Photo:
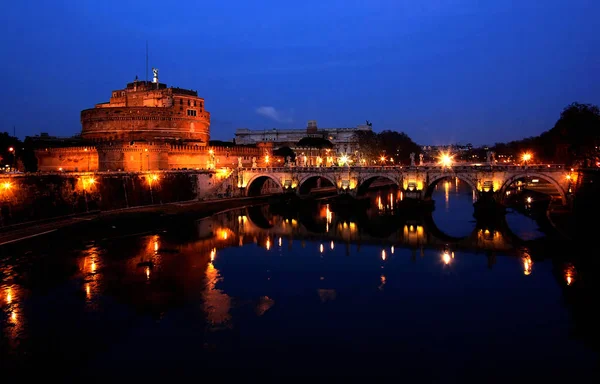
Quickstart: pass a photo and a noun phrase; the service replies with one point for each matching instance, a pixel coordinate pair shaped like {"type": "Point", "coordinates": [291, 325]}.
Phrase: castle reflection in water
{"type": "Point", "coordinates": [157, 272]}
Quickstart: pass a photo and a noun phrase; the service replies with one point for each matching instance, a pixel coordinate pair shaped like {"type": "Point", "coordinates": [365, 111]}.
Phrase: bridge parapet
{"type": "Point", "coordinates": [483, 178]}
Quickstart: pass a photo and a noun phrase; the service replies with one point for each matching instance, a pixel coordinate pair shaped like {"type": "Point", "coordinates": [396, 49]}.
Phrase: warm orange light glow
{"type": "Point", "coordinates": [11, 149]}
{"type": "Point", "coordinates": [267, 159]}
{"type": "Point", "coordinates": [382, 158]}
{"type": "Point", "coordinates": [93, 267]}
{"type": "Point", "coordinates": [392, 250]}
{"type": "Point", "coordinates": [570, 274]}
{"type": "Point", "coordinates": [6, 186]}
{"type": "Point", "coordinates": [210, 151]}
{"type": "Point", "coordinates": [279, 241]}
{"type": "Point", "coordinates": [268, 244]}
{"type": "Point", "coordinates": [446, 258]}
{"type": "Point", "coordinates": [527, 264]}
{"type": "Point", "coordinates": [383, 254]}
{"type": "Point", "coordinates": [526, 156]}
{"type": "Point", "coordinates": [8, 295]}
{"type": "Point", "coordinates": [87, 291]}
{"type": "Point", "coordinates": [331, 245]}
{"type": "Point", "coordinates": [147, 272]}
{"type": "Point", "coordinates": [213, 253]}
{"type": "Point", "coordinates": [446, 159]}
{"type": "Point", "coordinates": [529, 200]}
{"type": "Point", "coordinates": [568, 177]}
{"type": "Point", "coordinates": [321, 248]}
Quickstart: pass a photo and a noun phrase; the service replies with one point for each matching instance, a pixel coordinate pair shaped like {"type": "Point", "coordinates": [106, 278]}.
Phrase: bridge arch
{"type": "Point", "coordinates": [257, 182]}
{"type": "Point", "coordinates": [303, 183]}
{"type": "Point", "coordinates": [549, 179]}
{"type": "Point", "coordinates": [437, 178]}
{"type": "Point", "coordinates": [365, 183]}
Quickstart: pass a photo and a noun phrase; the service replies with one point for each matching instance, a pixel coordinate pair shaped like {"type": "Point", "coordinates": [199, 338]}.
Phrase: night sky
{"type": "Point", "coordinates": [443, 71]}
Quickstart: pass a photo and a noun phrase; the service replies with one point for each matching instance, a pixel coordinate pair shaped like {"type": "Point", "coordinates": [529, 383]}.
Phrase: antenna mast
{"type": "Point", "coordinates": [146, 61]}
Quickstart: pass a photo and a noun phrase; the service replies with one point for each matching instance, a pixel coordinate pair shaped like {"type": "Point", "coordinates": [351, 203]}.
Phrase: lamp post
{"type": "Point", "coordinates": [13, 151]}
{"type": "Point", "coordinates": [88, 158]}
{"type": "Point", "coordinates": [526, 158]}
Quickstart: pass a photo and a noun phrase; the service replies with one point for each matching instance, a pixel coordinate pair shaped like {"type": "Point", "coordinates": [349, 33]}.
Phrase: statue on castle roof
{"type": "Point", "coordinates": [412, 159]}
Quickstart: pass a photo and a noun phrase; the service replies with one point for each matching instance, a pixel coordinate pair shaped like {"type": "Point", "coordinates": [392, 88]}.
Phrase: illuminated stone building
{"type": "Point", "coordinates": [145, 126]}
{"type": "Point", "coordinates": [343, 139]}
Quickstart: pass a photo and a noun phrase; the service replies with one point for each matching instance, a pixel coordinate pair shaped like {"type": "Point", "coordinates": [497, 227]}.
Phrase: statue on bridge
{"type": "Point", "coordinates": [412, 159]}
{"type": "Point", "coordinates": [488, 155]}
{"type": "Point", "coordinates": [493, 157]}
{"type": "Point", "coordinates": [253, 162]}
{"type": "Point", "coordinates": [420, 159]}
{"type": "Point", "coordinates": [288, 161]}
{"type": "Point", "coordinates": [240, 162]}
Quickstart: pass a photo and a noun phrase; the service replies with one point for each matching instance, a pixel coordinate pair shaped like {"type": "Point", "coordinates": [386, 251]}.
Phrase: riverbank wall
{"type": "Point", "coordinates": [32, 197]}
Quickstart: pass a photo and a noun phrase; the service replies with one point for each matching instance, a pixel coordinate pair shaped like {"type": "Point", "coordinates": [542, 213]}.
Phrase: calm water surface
{"type": "Point", "coordinates": [315, 290]}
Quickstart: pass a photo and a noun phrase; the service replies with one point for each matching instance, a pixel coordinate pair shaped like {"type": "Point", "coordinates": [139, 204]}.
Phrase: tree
{"type": "Point", "coordinates": [285, 152]}
{"type": "Point", "coordinates": [577, 133]}
{"type": "Point", "coordinates": [574, 139]}
{"type": "Point", "coordinates": [390, 144]}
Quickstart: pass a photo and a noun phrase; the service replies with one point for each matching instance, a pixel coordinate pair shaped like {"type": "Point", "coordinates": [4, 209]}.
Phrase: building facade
{"type": "Point", "coordinates": [148, 111]}
{"type": "Point", "coordinates": [144, 127]}
{"type": "Point", "coordinates": [343, 139]}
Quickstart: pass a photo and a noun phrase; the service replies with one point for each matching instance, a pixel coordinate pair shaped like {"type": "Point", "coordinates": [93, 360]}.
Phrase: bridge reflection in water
{"type": "Point", "coordinates": [304, 278]}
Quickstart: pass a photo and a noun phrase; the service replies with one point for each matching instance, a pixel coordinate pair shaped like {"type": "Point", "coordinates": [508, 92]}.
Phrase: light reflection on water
{"type": "Point", "coordinates": [314, 276]}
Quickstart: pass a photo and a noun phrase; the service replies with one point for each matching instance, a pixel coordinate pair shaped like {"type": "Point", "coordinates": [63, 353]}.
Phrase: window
{"type": "Point", "coordinates": [191, 112]}
{"type": "Point", "coordinates": [180, 101]}
{"type": "Point", "coordinates": [189, 102]}
{"type": "Point", "coordinates": [194, 103]}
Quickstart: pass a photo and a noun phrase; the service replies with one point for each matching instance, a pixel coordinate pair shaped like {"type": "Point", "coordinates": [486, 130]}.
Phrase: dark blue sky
{"type": "Point", "coordinates": [441, 70]}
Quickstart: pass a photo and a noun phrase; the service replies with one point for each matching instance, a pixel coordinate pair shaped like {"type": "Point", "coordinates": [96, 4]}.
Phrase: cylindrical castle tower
{"type": "Point", "coordinates": [147, 111]}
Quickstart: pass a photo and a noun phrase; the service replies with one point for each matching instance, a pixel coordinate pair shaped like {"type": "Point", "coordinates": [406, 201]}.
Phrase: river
{"type": "Point", "coordinates": [307, 290]}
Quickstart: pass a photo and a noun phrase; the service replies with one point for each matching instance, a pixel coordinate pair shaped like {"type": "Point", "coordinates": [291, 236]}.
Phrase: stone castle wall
{"type": "Point", "coordinates": [35, 197]}
{"type": "Point", "coordinates": [72, 159]}
{"type": "Point", "coordinates": [145, 123]}
{"type": "Point", "coordinates": [144, 157]}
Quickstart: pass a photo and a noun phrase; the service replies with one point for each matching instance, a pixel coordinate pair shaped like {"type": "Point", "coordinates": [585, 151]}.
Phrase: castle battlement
{"type": "Point", "coordinates": [71, 150]}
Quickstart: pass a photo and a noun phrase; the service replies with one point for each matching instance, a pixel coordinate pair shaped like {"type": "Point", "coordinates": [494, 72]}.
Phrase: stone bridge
{"type": "Point", "coordinates": [416, 181]}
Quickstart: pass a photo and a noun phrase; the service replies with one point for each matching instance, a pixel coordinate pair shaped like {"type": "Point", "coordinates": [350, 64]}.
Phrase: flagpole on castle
{"type": "Point", "coordinates": [146, 61]}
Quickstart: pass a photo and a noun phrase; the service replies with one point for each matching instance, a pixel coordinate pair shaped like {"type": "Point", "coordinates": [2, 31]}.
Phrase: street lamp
{"type": "Point", "coordinates": [14, 153]}
{"type": "Point", "coordinates": [88, 157]}
{"type": "Point", "coordinates": [446, 160]}
{"type": "Point", "coordinates": [526, 157]}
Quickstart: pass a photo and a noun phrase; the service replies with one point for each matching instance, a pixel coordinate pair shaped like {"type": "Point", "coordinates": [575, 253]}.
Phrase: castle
{"type": "Point", "coordinates": [147, 126]}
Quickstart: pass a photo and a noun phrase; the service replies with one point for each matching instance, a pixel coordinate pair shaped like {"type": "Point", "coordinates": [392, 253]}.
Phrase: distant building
{"type": "Point", "coordinates": [343, 139]}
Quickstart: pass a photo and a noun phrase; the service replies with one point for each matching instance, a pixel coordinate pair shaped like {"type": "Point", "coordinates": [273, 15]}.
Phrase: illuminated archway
{"type": "Point", "coordinates": [310, 182]}
{"type": "Point", "coordinates": [529, 175]}
{"type": "Point", "coordinates": [259, 184]}
{"type": "Point", "coordinates": [366, 183]}
{"type": "Point", "coordinates": [433, 182]}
